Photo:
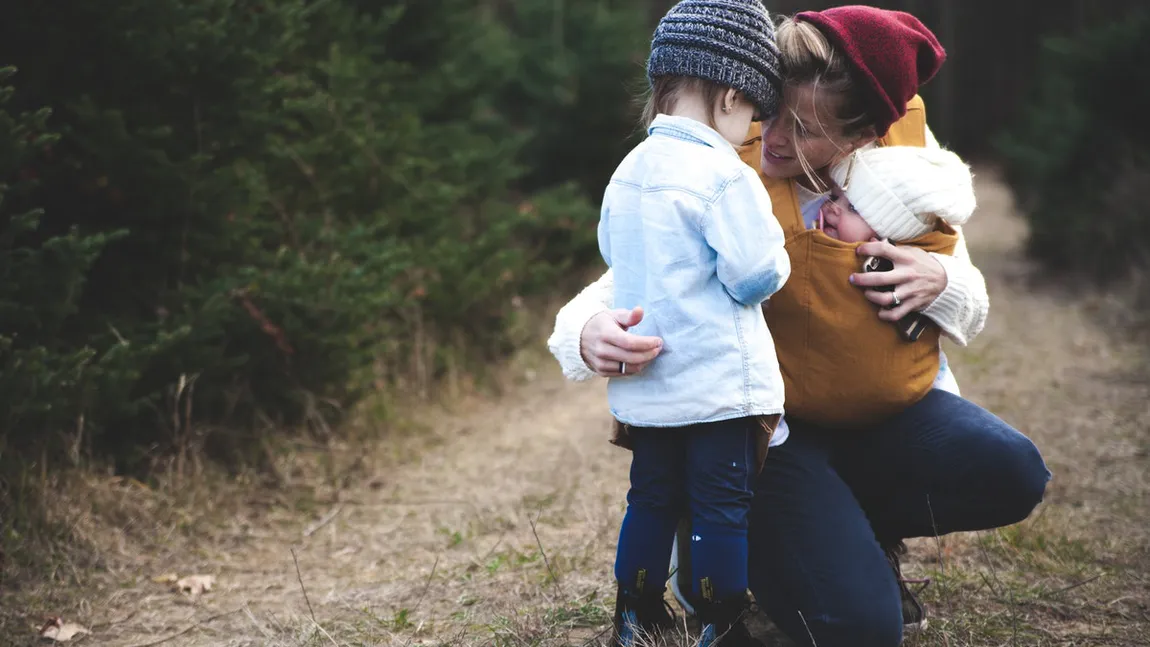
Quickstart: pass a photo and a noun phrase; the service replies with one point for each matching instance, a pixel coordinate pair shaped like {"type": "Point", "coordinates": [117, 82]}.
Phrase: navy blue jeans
{"type": "Point", "coordinates": [707, 471]}
{"type": "Point", "coordinates": [828, 499]}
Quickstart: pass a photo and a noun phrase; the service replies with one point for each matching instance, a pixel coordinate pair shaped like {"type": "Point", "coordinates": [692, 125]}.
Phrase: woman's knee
{"type": "Point", "coordinates": [1000, 461]}
{"type": "Point", "coordinates": [1029, 477]}
{"type": "Point", "coordinates": [1019, 475]}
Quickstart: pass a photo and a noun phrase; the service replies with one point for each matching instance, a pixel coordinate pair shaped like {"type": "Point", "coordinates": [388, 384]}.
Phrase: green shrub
{"type": "Point", "coordinates": [254, 211]}
{"type": "Point", "coordinates": [42, 377]}
{"type": "Point", "coordinates": [1080, 154]}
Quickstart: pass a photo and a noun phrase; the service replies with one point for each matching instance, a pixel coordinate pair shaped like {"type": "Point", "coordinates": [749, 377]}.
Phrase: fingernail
{"type": "Point", "coordinates": [851, 278]}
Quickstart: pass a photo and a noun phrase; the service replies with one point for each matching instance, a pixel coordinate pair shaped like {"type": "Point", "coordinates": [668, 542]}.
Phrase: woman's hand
{"type": "Point", "coordinates": [917, 278]}
{"type": "Point", "coordinates": [605, 343]}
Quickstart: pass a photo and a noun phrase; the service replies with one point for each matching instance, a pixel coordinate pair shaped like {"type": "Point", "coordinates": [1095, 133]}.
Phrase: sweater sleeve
{"type": "Point", "coordinates": [931, 140]}
{"type": "Point", "coordinates": [962, 307]}
{"type": "Point", "coordinates": [569, 323]}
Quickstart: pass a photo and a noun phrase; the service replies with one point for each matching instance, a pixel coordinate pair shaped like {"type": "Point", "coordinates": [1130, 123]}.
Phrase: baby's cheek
{"type": "Point", "coordinates": [855, 229]}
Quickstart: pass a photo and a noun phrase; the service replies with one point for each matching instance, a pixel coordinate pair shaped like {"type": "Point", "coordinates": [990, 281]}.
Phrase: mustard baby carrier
{"type": "Point", "coordinates": [842, 366]}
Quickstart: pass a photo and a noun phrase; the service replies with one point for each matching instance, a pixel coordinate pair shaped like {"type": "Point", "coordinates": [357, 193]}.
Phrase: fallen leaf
{"type": "Point", "coordinates": [194, 585]}
{"type": "Point", "coordinates": [60, 631]}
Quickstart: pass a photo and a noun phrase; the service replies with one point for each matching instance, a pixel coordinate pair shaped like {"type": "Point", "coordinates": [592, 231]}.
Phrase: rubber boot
{"type": "Point", "coordinates": [638, 615]}
{"type": "Point", "coordinates": [722, 623]}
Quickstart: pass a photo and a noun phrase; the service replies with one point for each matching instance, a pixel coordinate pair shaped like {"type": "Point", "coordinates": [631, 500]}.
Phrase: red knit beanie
{"type": "Point", "coordinates": [892, 51]}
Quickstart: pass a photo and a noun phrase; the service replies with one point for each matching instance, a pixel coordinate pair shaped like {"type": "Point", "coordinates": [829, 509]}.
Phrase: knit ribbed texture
{"type": "Point", "coordinates": [564, 341]}
{"type": "Point", "coordinates": [891, 52]}
{"type": "Point", "coordinates": [729, 42]}
{"type": "Point", "coordinates": [902, 191]}
{"type": "Point", "coordinates": [961, 310]}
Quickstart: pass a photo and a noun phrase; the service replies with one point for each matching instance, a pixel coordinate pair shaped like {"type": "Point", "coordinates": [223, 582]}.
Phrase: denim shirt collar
{"type": "Point", "coordinates": [688, 129]}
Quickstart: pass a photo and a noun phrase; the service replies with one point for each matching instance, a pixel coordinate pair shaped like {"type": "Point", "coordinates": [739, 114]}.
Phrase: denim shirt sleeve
{"type": "Point", "coordinates": [741, 227]}
{"type": "Point", "coordinates": [605, 234]}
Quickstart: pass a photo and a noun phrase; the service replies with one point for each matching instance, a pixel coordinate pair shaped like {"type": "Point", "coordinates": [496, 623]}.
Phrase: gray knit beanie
{"type": "Point", "coordinates": [729, 42]}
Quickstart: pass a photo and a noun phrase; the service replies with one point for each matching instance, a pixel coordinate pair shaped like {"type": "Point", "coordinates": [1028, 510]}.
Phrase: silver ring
{"type": "Point", "coordinates": [622, 368]}
{"type": "Point", "coordinates": [894, 300]}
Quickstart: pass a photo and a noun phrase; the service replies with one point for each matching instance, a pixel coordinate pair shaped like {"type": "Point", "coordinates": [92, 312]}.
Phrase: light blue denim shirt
{"type": "Point", "coordinates": [689, 233]}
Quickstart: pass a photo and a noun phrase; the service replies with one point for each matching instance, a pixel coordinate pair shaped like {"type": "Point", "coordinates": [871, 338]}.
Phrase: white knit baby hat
{"type": "Point", "coordinates": [902, 191]}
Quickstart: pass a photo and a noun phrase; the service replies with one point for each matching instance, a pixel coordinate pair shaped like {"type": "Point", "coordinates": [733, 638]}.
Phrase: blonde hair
{"type": "Point", "coordinates": [666, 91]}
{"type": "Point", "coordinates": [810, 59]}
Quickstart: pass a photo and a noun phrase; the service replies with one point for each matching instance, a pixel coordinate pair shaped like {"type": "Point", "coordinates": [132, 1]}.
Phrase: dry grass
{"type": "Point", "coordinates": [495, 523]}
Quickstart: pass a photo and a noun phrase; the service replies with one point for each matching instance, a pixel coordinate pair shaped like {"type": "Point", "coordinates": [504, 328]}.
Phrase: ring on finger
{"type": "Point", "coordinates": [622, 368]}
{"type": "Point", "coordinates": [894, 300]}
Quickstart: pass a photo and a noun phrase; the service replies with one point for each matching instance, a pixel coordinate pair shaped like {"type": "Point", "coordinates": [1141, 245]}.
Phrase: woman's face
{"type": "Point", "coordinates": [805, 126]}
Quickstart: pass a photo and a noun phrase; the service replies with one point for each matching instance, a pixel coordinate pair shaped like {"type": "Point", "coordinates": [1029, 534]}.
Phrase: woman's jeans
{"type": "Point", "coordinates": [707, 470]}
{"type": "Point", "coordinates": [828, 501]}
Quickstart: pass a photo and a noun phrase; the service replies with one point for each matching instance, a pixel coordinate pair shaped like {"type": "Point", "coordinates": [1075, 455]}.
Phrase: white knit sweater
{"type": "Point", "coordinates": [960, 311]}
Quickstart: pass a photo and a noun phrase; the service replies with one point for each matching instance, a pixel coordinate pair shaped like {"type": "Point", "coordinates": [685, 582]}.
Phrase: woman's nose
{"type": "Point", "coordinates": [774, 134]}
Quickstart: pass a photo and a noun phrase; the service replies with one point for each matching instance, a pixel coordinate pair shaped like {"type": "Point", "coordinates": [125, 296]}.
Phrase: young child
{"type": "Point", "coordinates": [688, 231]}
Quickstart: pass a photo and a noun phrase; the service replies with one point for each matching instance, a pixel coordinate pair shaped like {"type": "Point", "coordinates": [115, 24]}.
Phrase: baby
{"type": "Point", "coordinates": [896, 193]}
{"type": "Point", "coordinates": [902, 193]}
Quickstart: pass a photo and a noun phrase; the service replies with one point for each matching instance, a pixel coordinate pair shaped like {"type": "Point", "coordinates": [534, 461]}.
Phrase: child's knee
{"type": "Point", "coordinates": [722, 499]}
{"type": "Point", "coordinates": [664, 500]}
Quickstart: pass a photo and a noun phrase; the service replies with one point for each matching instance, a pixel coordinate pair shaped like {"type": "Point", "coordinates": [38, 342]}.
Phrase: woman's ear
{"type": "Point", "coordinates": [867, 137]}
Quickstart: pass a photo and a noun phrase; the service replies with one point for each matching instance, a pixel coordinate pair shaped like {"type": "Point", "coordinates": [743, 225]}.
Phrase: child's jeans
{"type": "Point", "coordinates": [707, 470]}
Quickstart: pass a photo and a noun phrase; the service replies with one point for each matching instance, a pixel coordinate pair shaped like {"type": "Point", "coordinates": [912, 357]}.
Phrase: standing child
{"type": "Point", "coordinates": [688, 230]}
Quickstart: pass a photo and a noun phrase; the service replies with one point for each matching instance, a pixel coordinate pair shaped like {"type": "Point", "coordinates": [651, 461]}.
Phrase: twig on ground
{"type": "Point", "coordinates": [423, 594]}
{"type": "Point", "coordinates": [325, 633]}
{"type": "Point", "coordinates": [256, 623]}
{"type": "Point", "coordinates": [539, 542]}
{"type": "Point", "coordinates": [1013, 606]}
{"type": "Point", "coordinates": [497, 544]}
{"type": "Point", "coordinates": [1013, 620]}
{"type": "Point", "coordinates": [386, 503]}
{"type": "Point", "coordinates": [117, 621]}
{"type": "Point", "coordinates": [299, 576]}
{"type": "Point", "coordinates": [327, 518]}
{"type": "Point", "coordinates": [937, 537]}
{"type": "Point", "coordinates": [942, 587]}
{"type": "Point", "coordinates": [188, 629]}
{"type": "Point", "coordinates": [301, 587]}
{"type": "Point", "coordinates": [1071, 587]}
{"type": "Point", "coordinates": [605, 630]}
{"type": "Point", "coordinates": [993, 570]}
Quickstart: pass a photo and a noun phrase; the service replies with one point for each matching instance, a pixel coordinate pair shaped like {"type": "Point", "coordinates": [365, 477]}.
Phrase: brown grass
{"type": "Point", "coordinates": [494, 522]}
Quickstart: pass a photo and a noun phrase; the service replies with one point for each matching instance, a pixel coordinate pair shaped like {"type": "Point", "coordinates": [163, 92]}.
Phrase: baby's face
{"type": "Point", "coordinates": [838, 219]}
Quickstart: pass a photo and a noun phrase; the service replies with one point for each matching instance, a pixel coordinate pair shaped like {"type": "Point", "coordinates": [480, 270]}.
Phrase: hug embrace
{"type": "Point", "coordinates": [784, 156]}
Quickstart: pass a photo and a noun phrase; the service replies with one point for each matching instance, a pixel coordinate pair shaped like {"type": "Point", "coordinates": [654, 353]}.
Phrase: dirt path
{"type": "Point", "coordinates": [446, 547]}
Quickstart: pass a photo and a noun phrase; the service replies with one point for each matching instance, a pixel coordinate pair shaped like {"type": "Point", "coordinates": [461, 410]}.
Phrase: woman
{"type": "Point", "coordinates": [832, 506]}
